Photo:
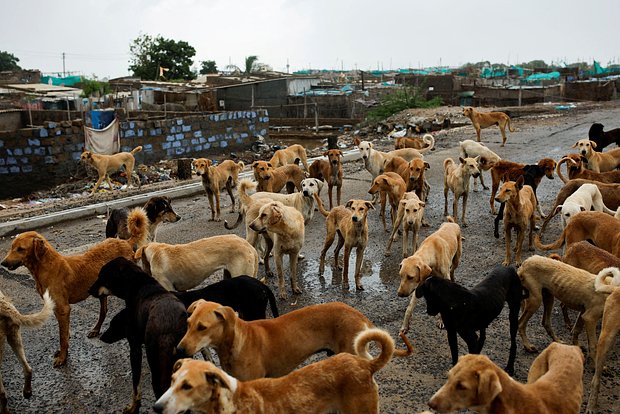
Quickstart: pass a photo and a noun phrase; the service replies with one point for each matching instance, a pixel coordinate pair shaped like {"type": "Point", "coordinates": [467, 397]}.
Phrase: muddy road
{"type": "Point", "coordinates": [97, 376]}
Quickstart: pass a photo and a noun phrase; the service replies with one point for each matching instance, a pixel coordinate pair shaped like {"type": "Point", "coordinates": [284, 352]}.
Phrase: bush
{"type": "Point", "coordinates": [409, 97]}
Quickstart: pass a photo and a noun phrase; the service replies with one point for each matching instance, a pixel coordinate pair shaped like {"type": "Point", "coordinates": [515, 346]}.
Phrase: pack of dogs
{"type": "Point", "coordinates": [171, 313]}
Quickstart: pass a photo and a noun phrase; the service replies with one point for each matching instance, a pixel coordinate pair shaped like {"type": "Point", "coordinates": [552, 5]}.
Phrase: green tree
{"type": "Point", "coordinates": [407, 97]}
{"type": "Point", "coordinates": [149, 54]}
{"type": "Point", "coordinates": [252, 65]}
{"type": "Point", "coordinates": [208, 66]}
{"type": "Point", "coordinates": [94, 87]}
{"type": "Point", "coordinates": [8, 61]}
{"type": "Point", "coordinates": [535, 64]}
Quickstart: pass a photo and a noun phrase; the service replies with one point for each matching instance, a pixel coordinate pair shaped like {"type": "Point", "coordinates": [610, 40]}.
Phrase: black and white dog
{"type": "Point", "coordinates": [158, 210]}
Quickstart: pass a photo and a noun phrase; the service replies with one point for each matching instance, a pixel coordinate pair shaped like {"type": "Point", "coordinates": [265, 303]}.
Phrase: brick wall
{"type": "Point", "coordinates": [39, 158]}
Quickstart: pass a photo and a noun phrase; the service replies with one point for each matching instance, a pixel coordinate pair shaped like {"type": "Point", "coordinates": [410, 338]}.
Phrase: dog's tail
{"type": "Point", "coordinates": [137, 224]}
{"type": "Point", "coordinates": [555, 245]}
{"type": "Point", "coordinates": [244, 199]}
{"type": "Point", "coordinates": [558, 170]}
{"type": "Point", "coordinates": [240, 166]}
{"type": "Point", "coordinates": [429, 140]}
{"type": "Point", "coordinates": [450, 219]}
{"type": "Point", "coordinates": [319, 204]}
{"type": "Point", "coordinates": [361, 341]}
{"type": "Point", "coordinates": [600, 284]}
{"type": "Point", "coordinates": [36, 319]}
{"type": "Point", "coordinates": [447, 162]}
{"type": "Point", "coordinates": [272, 301]}
{"type": "Point", "coordinates": [555, 256]}
{"type": "Point", "coordinates": [508, 122]}
{"type": "Point", "coordinates": [136, 149]}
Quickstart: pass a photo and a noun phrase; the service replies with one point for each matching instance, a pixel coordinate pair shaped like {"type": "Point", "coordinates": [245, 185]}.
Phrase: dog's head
{"type": "Point", "coordinates": [412, 271]}
{"type": "Point", "coordinates": [585, 147]}
{"type": "Point", "coordinates": [159, 209]}
{"type": "Point", "coordinates": [417, 167]}
{"type": "Point", "coordinates": [365, 148]}
{"type": "Point", "coordinates": [509, 190]}
{"type": "Point", "coordinates": [197, 386]}
{"type": "Point", "coordinates": [413, 209]}
{"type": "Point", "coordinates": [86, 156]}
{"type": "Point", "coordinates": [201, 165]}
{"type": "Point", "coordinates": [262, 170]}
{"type": "Point", "coordinates": [359, 210]}
{"type": "Point", "coordinates": [548, 167]}
{"type": "Point", "coordinates": [206, 325]}
{"type": "Point", "coordinates": [472, 383]}
{"type": "Point", "coordinates": [311, 186]}
{"type": "Point", "coordinates": [430, 289]}
{"type": "Point", "coordinates": [471, 165]}
{"type": "Point", "coordinates": [379, 183]}
{"type": "Point", "coordinates": [569, 210]}
{"type": "Point", "coordinates": [269, 215]}
{"type": "Point", "coordinates": [117, 277]}
{"type": "Point", "coordinates": [333, 156]}
{"type": "Point", "coordinates": [117, 329]}
{"type": "Point", "coordinates": [596, 130]}
{"type": "Point", "coordinates": [468, 111]}
{"type": "Point", "coordinates": [27, 249]}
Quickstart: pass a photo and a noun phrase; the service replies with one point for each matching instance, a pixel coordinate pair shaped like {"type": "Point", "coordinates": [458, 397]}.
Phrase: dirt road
{"type": "Point", "coordinates": [97, 376]}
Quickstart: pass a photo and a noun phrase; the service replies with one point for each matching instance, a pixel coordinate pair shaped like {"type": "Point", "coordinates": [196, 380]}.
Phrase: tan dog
{"type": "Point", "coordinates": [184, 266]}
{"type": "Point", "coordinates": [471, 148]}
{"type": "Point", "coordinates": [390, 186]}
{"type": "Point", "coordinates": [572, 286]}
{"type": "Point", "coordinates": [554, 385]}
{"type": "Point", "coordinates": [577, 168]}
{"type": "Point", "coordinates": [225, 175]}
{"type": "Point", "coordinates": [438, 255]}
{"type": "Point", "coordinates": [426, 142]}
{"type": "Point", "coordinates": [412, 173]}
{"type": "Point", "coordinates": [285, 227]}
{"type": "Point", "coordinates": [290, 155]}
{"type": "Point", "coordinates": [329, 170]}
{"type": "Point", "coordinates": [350, 223]}
{"type": "Point", "coordinates": [68, 278]}
{"type": "Point", "coordinates": [343, 382]}
{"type": "Point", "coordinates": [588, 257]}
{"type": "Point", "coordinates": [456, 179]}
{"type": "Point", "coordinates": [273, 347]}
{"type": "Point", "coordinates": [411, 214]}
{"type": "Point", "coordinates": [107, 164]}
{"type": "Point", "coordinates": [481, 120]}
{"type": "Point", "coordinates": [10, 323]}
{"type": "Point", "coordinates": [518, 214]}
{"type": "Point", "coordinates": [274, 179]}
{"type": "Point", "coordinates": [598, 161]}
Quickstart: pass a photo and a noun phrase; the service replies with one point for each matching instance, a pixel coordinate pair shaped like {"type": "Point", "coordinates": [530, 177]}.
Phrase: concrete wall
{"type": "Point", "coordinates": [39, 158]}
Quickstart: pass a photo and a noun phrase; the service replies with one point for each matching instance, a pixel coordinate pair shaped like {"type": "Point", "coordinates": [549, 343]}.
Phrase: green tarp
{"type": "Point", "coordinates": [66, 81]}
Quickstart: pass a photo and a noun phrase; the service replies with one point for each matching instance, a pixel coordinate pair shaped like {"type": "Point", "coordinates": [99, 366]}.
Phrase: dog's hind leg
{"type": "Point", "coordinates": [3, 399]}
{"type": "Point", "coordinates": [269, 243]}
{"type": "Point", "coordinates": [590, 319]}
{"type": "Point", "coordinates": [103, 311]}
{"type": "Point", "coordinates": [513, 317]}
{"type": "Point", "coordinates": [531, 305]}
{"type": "Point", "coordinates": [337, 251]}
{"type": "Point", "coordinates": [135, 356]}
{"type": "Point", "coordinates": [329, 240]}
{"type": "Point", "coordinates": [293, 258]}
{"type": "Point", "coordinates": [15, 341]}
{"type": "Point", "coordinates": [548, 300]}
{"type": "Point", "coordinates": [229, 188]}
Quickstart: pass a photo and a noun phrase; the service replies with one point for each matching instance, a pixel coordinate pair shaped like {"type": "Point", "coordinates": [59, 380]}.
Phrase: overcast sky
{"type": "Point", "coordinates": [323, 34]}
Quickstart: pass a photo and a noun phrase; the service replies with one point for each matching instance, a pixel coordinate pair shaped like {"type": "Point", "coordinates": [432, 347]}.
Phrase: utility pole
{"type": "Point", "coordinates": [63, 64]}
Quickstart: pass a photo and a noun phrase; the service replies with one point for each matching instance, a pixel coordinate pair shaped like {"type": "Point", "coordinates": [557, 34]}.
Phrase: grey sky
{"type": "Point", "coordinates": [324, 34]}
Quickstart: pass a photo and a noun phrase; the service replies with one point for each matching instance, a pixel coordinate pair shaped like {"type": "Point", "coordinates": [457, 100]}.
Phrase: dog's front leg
{"type": "Point", "coordinates": [216, 194]}
{"type": "Point", "coordinates": [277, 257]}
{"type": "Point", "coordinates": [407, 319]}
{"type": "Point", "coordinates": [519, 246]}
{"type": "Point", "coordinates": [359, 256]}
{"type": "Point", "coordinates": [345, 267]}
{"type": "Point", "coordinates": [135, 356]}
{"type": "Point", "coordinates": [454, 346]}
{"type": "Point", "coordinates": [293, 258]}
{"type": "Point", "coordinates": [62, 312]}
{"type": "Point", "coordinates": [465, 196]}
{"type": "Point", "coordinates": [210, 196]}
{"type": "Point", "coordinates": [507, 234]}
{"type": "Point", "coordinates": [269, 243]}
{"type": "Point", "coordinates": [406, 241]}
{"type": "Point", "coordinates": [103, 311]}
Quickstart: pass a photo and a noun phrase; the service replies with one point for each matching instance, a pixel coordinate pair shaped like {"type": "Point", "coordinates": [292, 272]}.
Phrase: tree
{"type": "Point", "coordinates": [252, 65]}
{"type": "Point", "coordinates": [8, 61]}
{"type": "Point", "coordinates": [149, 54]}
{"type": "Point", "coordinates": [208, 66]}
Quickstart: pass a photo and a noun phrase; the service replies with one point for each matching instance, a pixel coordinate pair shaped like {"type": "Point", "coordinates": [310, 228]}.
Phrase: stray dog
{"type": "Point", "coordinates": [426, 142]}
{"type": "Point", "coordinates": [412, 173]}
{"type": "Point", "coordinates": [184, 266]}
{"type": "Point", "coordinates": [107, 164]}
{"type": "Point", "coordinates": [466, 311]}
{"type": "Point", "coordinates": [519, 208]}
{"type": "Point", "coordinates": [470, 148]}
{"type": "Point", "coordinates": [411, 210]}
{"type": "Point", "coordinates": [153, 316]}
{"type": "Point", "coordinates": [546, 279]}
{"type": "Point", "coordinates": [600, 228]}
{"type": "Point", "coordinates": [214, 179]}
{"type": "Point", "coordinates": [290, 155]}
{"type": "Point", "coordinates": [329, 170]}
{"type": "Point", "coordinates": [274, 179]}
{"type": "Point", "coordinates": [251, 350]}
{"type": "Point", "coordinates": [598, 161]}
{"type": "Point", "coordinates": [553, 386]}
{"type": "Point", "coordinates": [481, 120]}
{"type": "Point", "coordinates": [587, 197]}
{"type": "Point", "coordinates": [10, 323]}
{"type": "Point", "coordinates": [456, 179]}
{"type": "Point", "coordinates": [438, 255]}
{"type": "Point", "coordinates": [285, 228]}
{"type": "Point", "coordinates": [343, 382]}
{"type": "Point", "coordinates": [577, 167]}
{"type": "Point", "coordinates": [158, 210]}
{"type": "Point", "coordinates": [584, 255]}
{"type": "Point", "coordinates": [392, 186]}
{"type": "Point", "coordinates": [603, 138]}
{"type": "Point", "coordinates": [350, 223]}
{"type": "Point", "coordinates": [68, 277]}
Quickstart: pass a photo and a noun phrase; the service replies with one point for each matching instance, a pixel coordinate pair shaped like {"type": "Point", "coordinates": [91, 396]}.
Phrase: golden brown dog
{"type": "Point", "coordinates": [274, 179]}
{"type": "Point", "coordinates": [481, 120]}
{"type": "Point", "coordinates": [225, 175]}
{"type": "Point", "coordinates": [586, 256]}
{"type": "Point", "coordinates": [107, 164]}
{"type": "Point", "coordinates": [426, 142]}
{"type": "Point", "coordinates": [412, 173]}
{"type": "Point", "coordinates": [456, 179]}
{"type": "Point", "coordinates": [273, 347]}
{"type": "Point", "coordinates": [342, 383]}
{"type": "Point", "coordinates": [290, 155]}
{"type": "Point", "coordinates": [329, 170]}
{"type": "Point", "coordinates": [438, 255]}
{"type": "Point", "coordinates": [390, 186]}
{"type": "Point", "coordinates": [471, 148]}
{"type": "Point", "coordinates": [577, 166]}
{"type": "Point", "coordinates": [68, 278]}
{"type": "Point", "coordinates": [10, 323]}
{"type": "Point", "coordinates": [554, 385]}
{"type": "Point", "coordinates": [350, 223]}
{"type": "Point", "coordinates": [411, 210]}
{"type": "Point", "coordinates": [519, 213]}
{"type": "Point", "coordinates": [598, 161]}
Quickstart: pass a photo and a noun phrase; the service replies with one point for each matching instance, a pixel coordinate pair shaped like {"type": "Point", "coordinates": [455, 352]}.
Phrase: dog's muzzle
{"type": "Point", "coordinates": [583, 153]}
{"type": "Point", "coordinates": [9, 265]}
{"type": "Point", "coordinates": [306, 194]}
{"type": "Point", "coordinates": [355, 219]}
{"type": "Point", "coordinates": [476, 175]}
{"type": "Point", "coordinates": [180, 352]}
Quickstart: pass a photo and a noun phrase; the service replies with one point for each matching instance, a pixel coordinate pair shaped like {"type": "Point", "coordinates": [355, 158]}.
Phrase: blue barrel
{"type": "Point", "coordinates": [101, 119]}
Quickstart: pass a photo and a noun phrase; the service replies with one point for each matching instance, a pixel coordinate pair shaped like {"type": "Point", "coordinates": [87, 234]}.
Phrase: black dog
{"type": "Point", "coordinates": [603, 138]}
{"type": "Point", "coordinates": [157, 209]}
{"type": "Point", "coordinates": [153, 317]}
{"type": "Point", "coordinates": [466, 311]}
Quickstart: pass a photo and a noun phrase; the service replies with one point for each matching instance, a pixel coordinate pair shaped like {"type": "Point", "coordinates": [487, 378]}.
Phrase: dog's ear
{"type": "Point", "coordinates": [593, 143]}
{"type": "Point", "coordinates": [462, 160]}
{"type": "Point", "coordinates": [194, 305]}
{"type": "Point", "coordinates": [557, 209]}
{"type": "Point", "coordinates": [422, 204]}
{"type": "Point", "coordinates": [269, 165]}
{"type": "Point", "coordinates": [349, 204]}
{"type": "Point", "coordinates": [138, 254]}
{"type": "Point", "coordinates": [356, 141]}
{"type": "Point", "coordinates": [38, 247]}
{"type": "Point", "coordinates": [427, 165]}
{"type": "Point", "coordinates": [276, 215]}
{"type": "Point", "coordinates": [520, 181]}
{"type": "Point", "coordinates": [221, 313]}
{"type": "Point", "coordinates": [582, 208]}
{"type": "Point", "coordinates": [340, 153]}
{"type": "Point", "coordinates": [425, 271]}
{"type": "Point", "coordinates": [575, 144]}
{"type": "Point", "coordinates": [214, 380]}
{"type": "Point", "coordinates": [254, 164]}
{"type": "Point", "coordinates": [385, 181]}
{"type": "Point", "coordinates": [489, 386]}
{"type": "Point", "coordinates": [208, 163]}
{"type": "Point", "coordinates": [369, 205]}
{"type": "Point", "coordinates": [177, 365]}
{"type": "Point", "coordinates": [477, 159]}
{"type": "Point", "coordinates": [326, 153]}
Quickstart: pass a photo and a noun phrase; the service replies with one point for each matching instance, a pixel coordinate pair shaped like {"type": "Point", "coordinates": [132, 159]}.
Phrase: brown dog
{"type": "Point", "coordinates": [412, 173]}
{"type": "Point", "coordinates": [273, 347]}
{"type": "Point", "coordinates": [426, 142]}
{"type": "Point", "coordinates": [274, 179]}
{"type": "Point", "coordinates": [350, 223]}
{"type": "Point", "coordinates": [554, 385]}
{"type": "Point", "coordinates": [481, 120]}
{"type": "Point", "coordinates": [598, 161]}
{"type": "Point", "coordinates": [577, 166]}
{"type": "Point", "coordinates": [389, 185]}
{"type": "Point", "coordinates": [519, 212]}
{"type": "Point", "coordinates": [107, 164]}
{"type": "Point", "coordinates": [584, 255]}
{"type": "Point", "coordinates": [411, 213]}
{"type": "Point", "coordinates": [225, 175]}
{"type": "Point", "coordinates": [329, 170]}
{"type": "Point", "coordinates": [456, 179]}
{"type": "Point", "coordinates": [290, 155]}
{"type": "Point", "coordinates": [343, 382]}
{"type": "Point", "coordinates": [68, 278]}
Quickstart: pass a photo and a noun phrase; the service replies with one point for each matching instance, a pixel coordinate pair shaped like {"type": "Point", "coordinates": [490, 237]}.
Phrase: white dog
{"type": "Point", "coordinates": [587, 197]}
{"type": "Point", "coordinates": [470, 148]}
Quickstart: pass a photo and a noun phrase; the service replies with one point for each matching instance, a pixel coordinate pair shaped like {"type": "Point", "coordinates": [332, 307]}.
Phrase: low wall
{"type": "Point", "coordinates": [38, 158]}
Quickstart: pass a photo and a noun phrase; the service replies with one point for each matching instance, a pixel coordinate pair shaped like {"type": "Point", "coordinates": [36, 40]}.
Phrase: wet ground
{"type": "Point", "coordinates": [97, 376]}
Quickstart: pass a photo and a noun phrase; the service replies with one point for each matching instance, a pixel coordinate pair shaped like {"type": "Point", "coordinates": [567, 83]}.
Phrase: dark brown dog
{"type": "Point", "coordinates": [577, 166]}
{"type": "Point", "coordinates": [329, 170]}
